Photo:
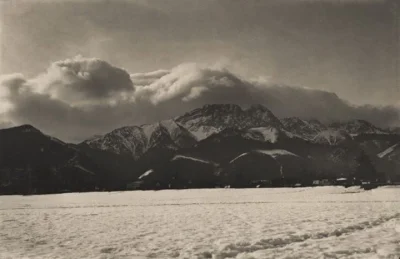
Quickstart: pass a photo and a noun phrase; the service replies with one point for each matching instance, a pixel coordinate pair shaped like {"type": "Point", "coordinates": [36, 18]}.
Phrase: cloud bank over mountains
{"type": "Point", "coordinates": [80, 97]}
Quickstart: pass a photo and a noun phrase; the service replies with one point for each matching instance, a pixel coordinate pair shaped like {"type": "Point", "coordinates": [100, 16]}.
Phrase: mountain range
{"type": "Point", "coordinates": [215, 145]}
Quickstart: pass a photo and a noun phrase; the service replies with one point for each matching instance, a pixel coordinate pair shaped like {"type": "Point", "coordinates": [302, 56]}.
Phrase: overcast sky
{"type": "Point", "coordinates": [345, 48]}
{"type": "Point", "coordinates": [349, 48]}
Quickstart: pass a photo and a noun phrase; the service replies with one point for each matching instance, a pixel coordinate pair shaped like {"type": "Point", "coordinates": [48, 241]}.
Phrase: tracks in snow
{"type": "Point", "coordinates": [190, 204]}
{"type": "Point", "coordinates": [232, 250]}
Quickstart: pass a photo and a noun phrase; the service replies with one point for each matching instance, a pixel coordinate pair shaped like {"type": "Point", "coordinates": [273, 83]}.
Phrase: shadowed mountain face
{"type": "Point", "coordinates": [32, 162]}
{"type": "Point", "coordinates": [269, 165]}
{"type": "Point", "coordinates": [216, 145]}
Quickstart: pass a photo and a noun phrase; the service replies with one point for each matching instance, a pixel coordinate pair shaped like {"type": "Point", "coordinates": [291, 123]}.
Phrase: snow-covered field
{"type": "Point", "coordinates": [322, 222]}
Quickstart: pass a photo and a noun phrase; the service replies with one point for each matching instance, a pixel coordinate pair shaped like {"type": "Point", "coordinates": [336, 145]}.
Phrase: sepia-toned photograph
{"type": "Point", "coordinates": [199, 129]}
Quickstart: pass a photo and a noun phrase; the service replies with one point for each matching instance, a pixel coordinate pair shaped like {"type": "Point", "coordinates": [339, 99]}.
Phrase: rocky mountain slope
{"type": "Point", "coordinates": [211, 119]}
{"type": "Point", "coordinates": [257, 121]}
{"type": "Point", "coordinates": [137, 140]}
{"type": "Point", "coordinates": [357, 127]}
{"type": "Point", "coordinates": [306, 129]}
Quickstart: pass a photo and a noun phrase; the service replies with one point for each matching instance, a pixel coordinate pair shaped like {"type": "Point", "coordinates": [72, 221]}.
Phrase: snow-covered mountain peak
{"type": "Point", "coordinates": [148, 129]}
{"type": "Point", "coordinates": [129, 140]}
{"type": "Point", "coordinates": [356, 127]}
{"type": "Point", "coordinates": [136, 140]}
{"type": "Point", "coordinates": [255, 123]}
{"type": "Point", "coordinates": [330, 137]}
{"type": "Point", "coordinates": [174, 128]}
{"type": "Point", "coordinates": [170, 125]}
{"type": "Point", "coordinates": [214, 118]}
{"type": "Point", "coordinates": [305, 129]}
{"type": "Point", "coordinates": [297, 122]}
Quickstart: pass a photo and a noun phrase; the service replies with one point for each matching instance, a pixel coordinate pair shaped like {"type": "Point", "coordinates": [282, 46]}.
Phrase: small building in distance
{"type": "Point", "coordinates": [137, 185]}
{"type": "Point", "coordinates": [322, 182]}
{"type": "Point", "coordinates": [341, 181]}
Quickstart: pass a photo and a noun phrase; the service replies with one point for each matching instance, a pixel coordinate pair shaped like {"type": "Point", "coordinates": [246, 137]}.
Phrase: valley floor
{"type": "Point", "coordinates": [320, 222]}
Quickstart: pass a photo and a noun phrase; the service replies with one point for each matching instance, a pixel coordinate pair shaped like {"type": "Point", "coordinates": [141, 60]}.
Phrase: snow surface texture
{"type": "Point", "coordinates": [274, 153]}
{"type": "Point", "coordinates": [331, 137]}
{"type": "Point", "coordinates": [387, 151]}
{"type": "Point", "coordinates": [269, 134]}
{"type": "Point", "coordinates": [179, 157]}
{"type": "Point", "coordinates": [203, 132]}
{"type": "Point", "coordinates": [147, 173]}
{"type": "Point", "coordinates": [321, 222]}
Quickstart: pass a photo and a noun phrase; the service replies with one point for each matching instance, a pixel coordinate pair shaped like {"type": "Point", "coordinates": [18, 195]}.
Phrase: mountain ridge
{"type": "Point", "coordinates": [199, 124]}
{"type": "Point", "coordinates": [169, 154]}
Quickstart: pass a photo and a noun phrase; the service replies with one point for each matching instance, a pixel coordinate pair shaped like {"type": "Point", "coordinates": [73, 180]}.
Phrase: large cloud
{"type": "Point", "coordinates": [79, 97]}
{"type": "Point", "coordinates": [80, 80]}
{"type": "Point", "coordinates": [187, 81]}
